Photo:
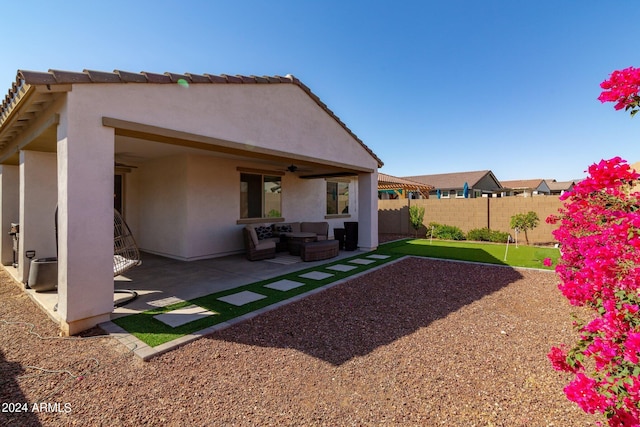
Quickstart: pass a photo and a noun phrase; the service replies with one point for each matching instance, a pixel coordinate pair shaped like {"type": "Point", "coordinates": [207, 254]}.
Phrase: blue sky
{"type": "Point", "coordinates": [429, 86]}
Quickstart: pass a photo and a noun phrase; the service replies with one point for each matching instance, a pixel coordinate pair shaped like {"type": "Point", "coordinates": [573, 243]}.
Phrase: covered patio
{"type": "Point", "coordinates": [159, 279]}
{"type": "Point", "coordinates": [188, 159]}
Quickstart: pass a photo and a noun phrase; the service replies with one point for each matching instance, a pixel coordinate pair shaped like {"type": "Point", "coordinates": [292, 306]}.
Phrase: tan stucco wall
{"type": "Point", "coordinates": [9, 208]}
{"type": "Point", "coordinates": [38, 173]}
{"type": "Point", "coordinates": [187, 206]}
{"type": "Point", "coordinates": [280, 116]}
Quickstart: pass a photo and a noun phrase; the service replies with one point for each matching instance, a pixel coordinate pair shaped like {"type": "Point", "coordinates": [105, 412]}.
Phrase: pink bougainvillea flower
{"type": "Point", "coordinates": [558, 358]}
{"type": "Point", "coordinates": [632, 347]}
{"type": "Point", "coordinates": [583, 391]}
{"type": "Point", "coordinates": [547, 262]}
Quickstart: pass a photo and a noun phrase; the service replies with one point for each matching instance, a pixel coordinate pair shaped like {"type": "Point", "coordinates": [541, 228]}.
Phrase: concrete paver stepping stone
{"type": "Point", "coordinates": [378, 256]}
{"type": "Point", "coordinates": [242, 298]}
{"type": "Point", "coordinates": [362, 261]}
{"type": "Point", "coordinates": [342, 267]}
{"type": "Point", "coordinates": [316, 275]}
{"type": "Point", "coordinates": [284, 285]}
{"type": "Point", "coordinates": [165, 302]}
{"type": "Point", "coordinates": [183, 315]}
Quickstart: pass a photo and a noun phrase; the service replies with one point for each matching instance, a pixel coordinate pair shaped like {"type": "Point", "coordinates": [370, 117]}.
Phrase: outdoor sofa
{"type": "Point", "coordinates": [263, 240]}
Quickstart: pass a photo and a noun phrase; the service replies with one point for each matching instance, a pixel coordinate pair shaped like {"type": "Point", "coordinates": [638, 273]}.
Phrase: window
{"type": "Point", "coordinates": [459, 193]}
{"type": "Point", "coordinates": [260, 196]}
{"type": "Point", "coordinates": [337, 198]}
{"type": "Point", "coordinates": [445, 194]}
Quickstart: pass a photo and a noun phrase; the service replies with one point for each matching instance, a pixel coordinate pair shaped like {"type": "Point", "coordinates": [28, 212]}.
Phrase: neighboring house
{"type": "Point", "coordinates": [558, 188]}
{"type": "Point", "coordinates": [189, 159]}
{"type": "Point", "coordinates": [526, 187]}
{"type": "Point", "coordinates": [392, 187]}
{"type": "Point", "coordinates": [451, 185]}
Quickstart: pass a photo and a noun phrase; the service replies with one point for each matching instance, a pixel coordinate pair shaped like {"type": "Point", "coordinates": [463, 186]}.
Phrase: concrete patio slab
{"type": "Point", "coordinates": [184, 315]}
{"type": "Point", "coordinates": [242, 298]}
{"type": "Point", "coordinates": [284, 285]}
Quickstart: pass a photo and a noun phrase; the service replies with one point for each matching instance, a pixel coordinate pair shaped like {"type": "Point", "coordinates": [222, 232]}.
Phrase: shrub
{"type": "Point", "coordinates": [444, 232]}
{"type": "Point", "coordinates": [479, 234]}
{"type": "Point", "coordinates": [499, 236]}
{"type": "Point", "coordinates": [486, 235]}
{"type": "Point", "coordinates": [600, 236]}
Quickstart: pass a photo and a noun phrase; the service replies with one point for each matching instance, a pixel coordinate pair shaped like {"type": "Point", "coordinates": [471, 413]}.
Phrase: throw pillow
{"type": "Point", "coordinates": [284, 229]}
{"type": "Point", "coordinates": [263, 232]}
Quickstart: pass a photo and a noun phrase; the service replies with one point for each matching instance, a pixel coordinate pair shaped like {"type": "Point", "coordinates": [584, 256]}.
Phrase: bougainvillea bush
{"type": "Point", "coordinates": [622, 88]}
{"type": "Point", "coordinates": [600, 269]}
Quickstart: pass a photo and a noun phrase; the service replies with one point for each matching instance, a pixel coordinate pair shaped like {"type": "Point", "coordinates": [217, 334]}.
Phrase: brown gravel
{"type": "Point", "coordinates": [419, 342]}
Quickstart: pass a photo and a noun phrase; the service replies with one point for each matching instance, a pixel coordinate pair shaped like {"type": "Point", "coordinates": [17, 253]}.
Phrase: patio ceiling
{"type": "Point", "coordinates": [137, 143]}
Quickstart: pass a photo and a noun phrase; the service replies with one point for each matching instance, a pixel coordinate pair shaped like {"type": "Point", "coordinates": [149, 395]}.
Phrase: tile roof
{"type": "Point", "coordinates": [451, 180]}
{"type": "Point", "coordinates": [27, 78]}
{"type": "Point", "coordinates": [559, 185]}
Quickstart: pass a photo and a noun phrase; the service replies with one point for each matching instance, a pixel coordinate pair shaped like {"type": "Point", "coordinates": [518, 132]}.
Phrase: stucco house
{"type": "Point", "coordinates": [526, 187]}
{"type": "Point", "coordinates": [451, 185]}
{"type": "Point", "coordinates": [189, 159]}
{"type": "Point", "coordinates": [558, 188]}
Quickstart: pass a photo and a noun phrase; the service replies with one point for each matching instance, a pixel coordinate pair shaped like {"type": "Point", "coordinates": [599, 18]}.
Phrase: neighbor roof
{"type": "Point", "coordinates": [522, 183]}
{"type": "Point", "coordinates": [448, 181]}
{"type": "Point", "coordinates": [26, 79]}
{"type": "Point", "coordinates": [559, 185]}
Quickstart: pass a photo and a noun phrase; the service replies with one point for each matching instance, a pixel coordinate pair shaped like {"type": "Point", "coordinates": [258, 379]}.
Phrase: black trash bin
{"type": "Point", "coordinates": [338, 234]}
{"type": "Point", "coordinates": [351, 235]}
{"type": "Point", "coordinates": [43, 274]}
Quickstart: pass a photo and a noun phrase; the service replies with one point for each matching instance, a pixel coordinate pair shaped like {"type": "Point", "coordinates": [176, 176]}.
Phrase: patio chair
{"type": "Point", "coordinates": [255, 248]}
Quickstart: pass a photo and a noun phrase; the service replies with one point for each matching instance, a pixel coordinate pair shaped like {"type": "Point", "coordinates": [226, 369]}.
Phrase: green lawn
{"type": "Point", "coordinates": [521, 256]}
{"type": "Point", "coordinates": [153, 332]}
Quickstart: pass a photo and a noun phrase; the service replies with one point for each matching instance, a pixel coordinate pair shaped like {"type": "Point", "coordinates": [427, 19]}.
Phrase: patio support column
{"type": "Point", "coordinates": [85, 219]}
{"type": "Point", "coordinates": [9, 209]}
{"type": "Point", "coordinates": [368, 211]}
{"type": "Point", "coordinates": [38, 197]}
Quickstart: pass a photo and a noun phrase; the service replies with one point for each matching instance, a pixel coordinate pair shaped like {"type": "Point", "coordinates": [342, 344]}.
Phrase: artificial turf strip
{"type": "Point", "coordinates": [153, 332]}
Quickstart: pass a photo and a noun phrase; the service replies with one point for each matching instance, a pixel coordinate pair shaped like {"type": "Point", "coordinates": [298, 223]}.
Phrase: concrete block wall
{"type": "Point", "coordinates": [468, 214]}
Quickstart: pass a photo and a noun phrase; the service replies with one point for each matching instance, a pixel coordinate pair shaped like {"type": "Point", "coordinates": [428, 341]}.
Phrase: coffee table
{"type": "Point", "coordinates": [296, 240]}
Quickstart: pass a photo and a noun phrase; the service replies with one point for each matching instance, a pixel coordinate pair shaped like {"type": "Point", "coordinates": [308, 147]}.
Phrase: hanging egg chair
{"type": "Point", "coordinates": [125, 251]}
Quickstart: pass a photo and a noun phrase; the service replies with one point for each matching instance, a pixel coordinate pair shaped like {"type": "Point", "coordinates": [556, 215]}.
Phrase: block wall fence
{"type": "Point", "coordinates": [467, 214]}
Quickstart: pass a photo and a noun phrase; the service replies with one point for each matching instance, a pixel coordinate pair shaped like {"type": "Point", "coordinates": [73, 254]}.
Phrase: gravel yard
{"type": "Point", "coordinates": [419, 342]}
